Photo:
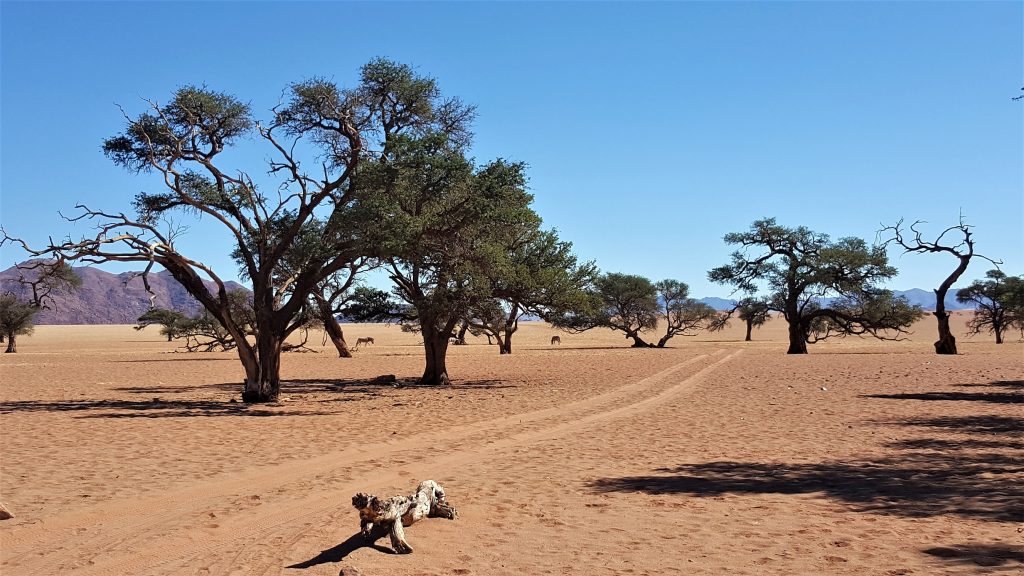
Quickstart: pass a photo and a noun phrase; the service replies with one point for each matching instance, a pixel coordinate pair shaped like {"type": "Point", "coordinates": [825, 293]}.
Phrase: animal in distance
{"type": "Point", "coordinates": [556, 340]}
{"type": "Point", "coordinates": [398, 511]}
{"type": "Point", "coordinates": [368, 340]}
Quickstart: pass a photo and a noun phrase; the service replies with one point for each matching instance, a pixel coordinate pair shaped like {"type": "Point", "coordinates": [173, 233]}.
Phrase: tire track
{"type": "Point", "coordinates": [114, 527]}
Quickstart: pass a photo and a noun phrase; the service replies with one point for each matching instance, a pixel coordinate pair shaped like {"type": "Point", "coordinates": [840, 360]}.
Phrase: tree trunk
{"type": "Point", "coordinates": [750, 328]}
{"type": "Point", "coordinates": [262, 369]}
{"type": "Point", "coordinates": [797, 338]}
{"type": "Point", "coordinates": [332, 328]}
{"type": "Point", "coordinates": [461, 336]}
{"type": "Point", "coordinates": [12, 345]}
{"type": "Point", "coordinates": [638, 342]}
{"type": "Point", "coordinates": [435, 345]}
{"type": "Point", "coordinates": [507, 347]}
{"type": "Point", "coordinates": [946, 344]}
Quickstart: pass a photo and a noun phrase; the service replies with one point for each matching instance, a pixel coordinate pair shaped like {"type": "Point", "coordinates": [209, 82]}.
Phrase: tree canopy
{"type": "Point", "coordinates": [999, 302]}
{"type": "Point", "coordinates": [823, 288]}
{"type": "Point", "coordinates": [307, 209]}
{"type": "Point", "coordinates": [16, 318]}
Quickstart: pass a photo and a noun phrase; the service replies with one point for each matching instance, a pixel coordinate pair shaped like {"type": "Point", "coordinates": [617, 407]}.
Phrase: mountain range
{"type": "Point", "coordinates": [107, 298]}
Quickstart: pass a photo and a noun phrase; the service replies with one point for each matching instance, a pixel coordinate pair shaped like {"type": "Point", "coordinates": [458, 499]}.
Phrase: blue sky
{"type": "Point", "coordinates": [651, 129]}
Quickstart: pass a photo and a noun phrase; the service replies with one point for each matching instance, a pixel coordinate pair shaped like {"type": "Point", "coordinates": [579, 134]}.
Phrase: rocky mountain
{"type": "Point", "coordinates": [106, 298]}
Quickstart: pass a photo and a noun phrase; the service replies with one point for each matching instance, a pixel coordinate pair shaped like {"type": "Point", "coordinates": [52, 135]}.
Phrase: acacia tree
{"type": "Point", "coordinates": [15, 319]}
{"type": "Point", "coordinates": [539, 276]}
{"type": "Point", "coordinates": [682, 313]}
{"type": "Point", "coordinates": [800, 268]}
{"type": "Point", "coordinates": [171, 322]}
{"type": "Point", "coordinates": [623, 302]}
{"type": "Point", "coordinates": [183, 143]}
{"type": "Point", "coordinates": [999, 303]}
{"type": "Point", "coordinates": [963, 251]}
{"type": "Point", "coordinates": [754, 312]}
{"type": "Point", "coordinates": [448, 225]}
{"type": "Point", "coordinates": [46, 278]}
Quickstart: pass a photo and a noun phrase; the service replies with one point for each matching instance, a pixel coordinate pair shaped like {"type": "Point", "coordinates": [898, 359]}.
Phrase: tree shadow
{"type": "Point", "coordinates": [979, 554]}
{"type": "Point", "coordinates": [982, 424]}
{"type": "Point", "coordinates": [958, 444]}
{"type": "Point", "coordinates": [155, 408]}
{"type": "Point", "coordinates": [1011, 384]}
{"type": "Point", "coordinates": [992, 397]}
{"type": "Point", "coordinates": [341, 551]}
{"type": "Point", "coordinates": [182, 359]}
{"type": "Point", "coordinates": [980, 486]}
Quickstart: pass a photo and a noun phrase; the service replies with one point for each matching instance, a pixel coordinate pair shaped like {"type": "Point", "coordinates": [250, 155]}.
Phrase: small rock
{"type": "Point", "coordinates": [350, 572]}
{"type": "Point", "coordinates": [823, 389]}
{"type": "Point", "coordinates": [5, 513]}
{"type": "Point", "coordinates": [385, 379]}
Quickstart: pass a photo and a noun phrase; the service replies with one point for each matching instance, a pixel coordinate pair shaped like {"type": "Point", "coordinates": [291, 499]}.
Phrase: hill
{"type": "Point", "coordinates": [106, 298]}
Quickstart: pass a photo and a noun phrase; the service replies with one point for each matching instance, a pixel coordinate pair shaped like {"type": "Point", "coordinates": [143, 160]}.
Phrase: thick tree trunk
{"type": "Point", "coordinates": [436, 347]}
{"type": "Point", "coordinates": [506, 348]}
{"type": "Point", "coordinates": [638, 342]}
{"type": "Point", "coordinates": [12, 345]}
{"type": "Point", "coordinates": [332, 328]}
{"type": "Point", "coordinates": [750, 328]}
{"type": "Point", "coordinates": [262, 369]}
{"type": "Point", "coordinates": [797, 338]}
{"type": "Point", "coordinates": [460, 338]}
{"type": "Point", "coordinates": [946, 344]}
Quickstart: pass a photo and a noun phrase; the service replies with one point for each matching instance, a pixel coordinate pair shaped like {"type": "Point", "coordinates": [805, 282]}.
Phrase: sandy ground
{"type": "Point", "coordinates": [121, 456]}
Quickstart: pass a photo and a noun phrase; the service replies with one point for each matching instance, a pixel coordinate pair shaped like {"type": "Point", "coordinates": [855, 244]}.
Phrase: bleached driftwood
{"type": "Point", "coordinates": [398, 511]}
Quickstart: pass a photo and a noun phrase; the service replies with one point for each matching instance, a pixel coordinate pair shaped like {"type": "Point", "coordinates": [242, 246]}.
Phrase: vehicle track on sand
{"type": "Point", "coordinates": [100, 540]}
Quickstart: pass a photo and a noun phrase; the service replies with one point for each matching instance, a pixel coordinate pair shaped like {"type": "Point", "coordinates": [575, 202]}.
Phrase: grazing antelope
{"type": "Point", "coordinates": [556, 340]}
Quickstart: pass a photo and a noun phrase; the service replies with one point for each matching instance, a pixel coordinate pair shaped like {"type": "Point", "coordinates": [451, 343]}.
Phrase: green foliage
{"type": "Point", "coordinates": [171, 322]}
{"type": "Point", "coordinates": [999, 302]}
{"type": "Point", "coordinates": [799, 267]}
{"type": "Point", "coordinates": [681, 313]}
{"type": "Point", "coordinates": [16, 316]}
{"type": "Point", "coordinates": [623, 302]}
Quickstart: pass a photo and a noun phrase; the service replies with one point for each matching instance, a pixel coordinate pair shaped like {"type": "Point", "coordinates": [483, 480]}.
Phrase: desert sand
{"type": "Point", "coordinates": [716, 456]}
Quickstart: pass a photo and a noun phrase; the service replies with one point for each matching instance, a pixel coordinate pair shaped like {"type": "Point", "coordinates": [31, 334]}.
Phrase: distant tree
{"type": "Point", "coordinates": [171, 322]}
{"type": "Point", "coordinates": [16, 318]}
{"type": "Point", "coordinates": [46, 278]}
{"type": "Point", "coordinates": [539, 275]}
{"type": "Point", "coordinates": [800, 268]}
{"type": "Point", "coordinates": [999, 303]}
{"type": "Point", "coordinates": [316, 141]}
{"type": "Point", "coordinates": [682, 314]}
{"type": "Point", "coordinates": [963, 250]}
{"type": "Point", "coordinates": [754, 313]}
{"type": "Point", "coordinates": [623, 302]}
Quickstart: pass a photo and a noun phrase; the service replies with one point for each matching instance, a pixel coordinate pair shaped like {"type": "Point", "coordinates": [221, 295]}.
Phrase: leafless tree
{"type": "Point", "coordinates": [911, 239]}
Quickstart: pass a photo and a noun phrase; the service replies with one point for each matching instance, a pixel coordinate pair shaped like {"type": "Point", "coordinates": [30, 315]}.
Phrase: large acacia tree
{"type": "Point", "coordinates": [753, 311]}
{"type": "Point", "coordinates": [961, 247]}
{"type": "Point", "coordinates": [822, 288]}
{"type": "Point", "coordinates": [16, 319]}
{"type": "Point", "coordinates": [682, 315]}
{"type": "Point", "coordinates": [314, 142]}
{"type": "Point", "coordinates": [998, 301]}
{"type": "Point", "coordinates": [446, 225]}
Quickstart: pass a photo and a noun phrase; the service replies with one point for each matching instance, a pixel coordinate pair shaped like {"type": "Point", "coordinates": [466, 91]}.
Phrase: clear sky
{"type": "Point", "coordinates": [651, 129]}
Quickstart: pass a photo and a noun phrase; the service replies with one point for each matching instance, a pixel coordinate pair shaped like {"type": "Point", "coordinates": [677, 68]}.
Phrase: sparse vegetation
{"type": "Point", "coordinates": [963, 251]}
{"type": "Point", "coordinates": [800, 268]}
{"type": "Point", "coordinates": [999, 301]}
{"type": "Point", "coordinates": [16, 318]}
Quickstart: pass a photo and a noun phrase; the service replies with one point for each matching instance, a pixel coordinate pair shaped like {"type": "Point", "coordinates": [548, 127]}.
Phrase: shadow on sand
{"type": "Point", "coordinates": [990, 555]}
{"type": "Point", "coordinates": [934, 476]}
{"type": "Point", "coordinates": [157, 407]}
{"type": "Point", "coordinates": [341, 551]}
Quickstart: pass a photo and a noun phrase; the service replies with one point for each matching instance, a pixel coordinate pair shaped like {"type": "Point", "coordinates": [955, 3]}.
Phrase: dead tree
{"type": "Point", "coordinates": [899, 235]}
